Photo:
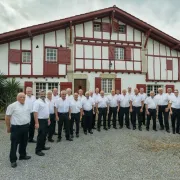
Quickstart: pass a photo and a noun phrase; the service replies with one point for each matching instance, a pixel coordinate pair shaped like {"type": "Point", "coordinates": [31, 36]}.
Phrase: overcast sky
{"type": "Point", "coordinates": [14, 14]}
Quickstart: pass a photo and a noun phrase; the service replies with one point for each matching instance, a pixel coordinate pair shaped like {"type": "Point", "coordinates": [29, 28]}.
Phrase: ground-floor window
{"type": "Point", "coordinates": [153, 88]}
{"type": "Point", "coordinates": [107, 85]}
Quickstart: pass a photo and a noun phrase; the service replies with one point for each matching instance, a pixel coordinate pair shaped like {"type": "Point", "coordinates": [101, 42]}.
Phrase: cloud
{"type": "Point", "coordinates": [163, 14]}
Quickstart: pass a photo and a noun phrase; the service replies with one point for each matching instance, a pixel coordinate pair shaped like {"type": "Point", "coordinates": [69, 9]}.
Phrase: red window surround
{"type": "Point", "coordinates": [169, 65]}
{"type": "Point", "coordinates": [104, 27]}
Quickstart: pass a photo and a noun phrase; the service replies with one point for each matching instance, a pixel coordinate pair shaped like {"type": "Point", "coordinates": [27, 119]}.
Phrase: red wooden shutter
{"type": "Point", "coordinates": [98, 83]}
{"type": "Point", "coordinates": [139, 86]}
{"type": "Point", "coordinates": [127, 53]}
{"type": "Point", "coordinates": [65, 85]}
{"type": "Point", "coordinates": [111, 53]}
{"type": "Point", "coordinates": [170, 86]}
{"type": "Point", "coordinates": [14, 56]}
{"type": "Point", "coordinates": [106, 27]}
{"type": "Point", "coordinates": [27, 84]}
{"type": "Point", "coordinates": [64, 56]}
{"type": "Point", "coordinates": [169, 65]}
{"type": "Point", "coordinates": [118, 84]}
{"type": "Point", "coordinates": [115, 26]}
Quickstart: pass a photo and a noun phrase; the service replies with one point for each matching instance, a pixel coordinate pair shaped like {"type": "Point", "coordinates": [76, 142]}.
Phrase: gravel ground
{"type": "Point", "coordinates": [114, 155]}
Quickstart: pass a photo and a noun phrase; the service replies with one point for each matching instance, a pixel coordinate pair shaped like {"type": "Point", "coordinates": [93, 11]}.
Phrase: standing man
{"type": "Point", "coordinates": [17, 122]}
{"type": "Point", "coordinates": [124, 101]}
{"type": "Point", "coordinates": [76, 113]}
{"type": "Point", "coordinates": [170, 93]}
{"type": "Point", "coordinates": [51, 104]}
{"type": "Point", "coordinates": [41, 117]}
{"type": "Point", "coordinates": [88, 111]}
{"type": "Point", "coordinates": [30, 99]}
{"type": "Point", "coordinates": [174, 106]}
{"type": "Point", "coordinates": [102, 109]}
{"type": "Point", "coordinates": [130, 94]}
{"type": "Point", "coordinates": [63, 116]}
{"type": "Point", "coordinates": [144, 95]}
{"type": "Point", "coordinates": [113, 108]}
{"type": "Point", "coordinates": [69, 95]}
{"type": "Point", "coordinates": [136, 107]}
{"type": "Point", "coordinates": [162, 102]}
{"type": "Point", "coordinates": [151, 106]}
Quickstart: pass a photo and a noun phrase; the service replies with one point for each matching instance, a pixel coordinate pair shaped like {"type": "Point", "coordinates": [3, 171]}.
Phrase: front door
{"type": "Point", "coordinates": [80, 84]}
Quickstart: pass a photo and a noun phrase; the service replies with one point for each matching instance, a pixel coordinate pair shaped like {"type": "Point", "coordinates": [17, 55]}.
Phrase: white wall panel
{"type": "Point", "coordinates": [79, 51]}
{"type": "Point", "coordinates": [79, 64]}
{"type": "Point", "coordinates": [88, 64]}
{"type": "Point", "coordinates": [163, 68]}
{"type": "Point", "coordinates": [26, 44]}
{"type": "Point", "coordinates": [88, 51]}
{"type": "Point", "coordinates": [162, 50]}
{"type": "Point", "coordinates": [97, 52]}
{"type": "Point", "coordinates": [105, 52]}
{"type": "Point", "coordinates": [105, 19]}
{"type": "Point", "coordinates": [88, 29]}
{"type": "Point", "coordinates": [150, 67]}
{"type": "Point", "coordinates": [175, 68]}
{"type": "Point", "coordinates": [79, 30]}
{"type": "Point", "coordinates": [129, 65]}
{"type": "Point", "coordinates": [26, 69]}
{"type": "Point", "coordinates": [105, 64]}
{"type": "Point", "coordinates": [4, 58]}
{"type": "Point", "coordinates": [62, 69]}
{"type": "Point", "coordinates": [61, 37]}
{"type": "Point", "coordinates": [150, 46]}
{"type": "Point", "coordinates": [97, 64]}
{"type": "Point", "coordinates": [14, 69]}
{"type": "Point", "coordinates": [106, 35]}
{"type": "Point", "coordinates": [114, 36]}
{"type": "Point", "coordinates": [157, 67]}
{"type": "Point", "coordinates": [137, 66]}
{"type": "Point", "coordinates": [137, 55]}
{"type": "Point", "coordinates": [121, 23]}
{"type": "Point", "coordinates": [156, 48]}
{"type": "Point", "coordinates": [38, 55]}
{"type": "Point", "coordinates": [15, 45]}
{"type": "Point", "coordinates": [122, 37]}
{"type": "Point", "coordinates": [178, 54]}
{"type": "Point", "coordinates": [169, 74]}
{"type": "Point", "coordinates": [137, 35]}
{"type": "Point", "coordinates": [168, 51]}
{"type": "Point", "coordinates": [97, 34]}
{"type": "Point", "coordinates": [50, 39]}
{"type": "Point", "coordinates": [129, 33]}
{"type": "Point", "coordinates": [120, 65]}
{"type": "Point", "coordinates": [174, 53]}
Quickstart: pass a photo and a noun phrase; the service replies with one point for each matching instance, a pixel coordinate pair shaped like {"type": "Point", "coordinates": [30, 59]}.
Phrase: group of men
{"type": "Point", "coordinates": [27, 113]}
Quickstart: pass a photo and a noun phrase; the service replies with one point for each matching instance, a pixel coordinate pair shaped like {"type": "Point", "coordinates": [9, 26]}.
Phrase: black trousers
{"type": "Point", "coordinates": [31, 127]}
{"type": "Point", "coordinates": [152, 114]}
{"type": "Point", "coordinates": [19, 136]}
{"type": "Point", "coordinates": [124, 111]}
{"type": "Point", "coordinates": [42, 134]}
{"type": "Point", "coordinates": [136, 113]}
{"type": "Point", "coordinates": [88, 120]}
{"type": "Point", "coordinates": [74, 117]}
{"type": "Point", "coordinates": [166, 116]}
{"type": "Point", "coordinates": [143, 115]}
{"type": "Point", "coordinates": [175, 119]}
{"type": "Point", "coordinates": [51, 126]}
{"type": "Point", "coordinates": [102, 113]}
{"type": "Point", "coordinates": [63, 119]}
{"type": "Point", "coordinates": [94, 119]}
{"type": "Point", "coordinates": [112, 111]}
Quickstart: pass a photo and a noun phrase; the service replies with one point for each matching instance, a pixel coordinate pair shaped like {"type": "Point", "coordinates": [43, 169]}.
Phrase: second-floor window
{"type": "Point", "coordinates": [26, 57]}
{"type": "Point", "coordinates": [122, 28]}
{"type": "Point", "coordinates": [119, 53]}
{"type": "Point", "coordinates": [51, 55]}
{"type": "Point", "coordinates": [97, 27]}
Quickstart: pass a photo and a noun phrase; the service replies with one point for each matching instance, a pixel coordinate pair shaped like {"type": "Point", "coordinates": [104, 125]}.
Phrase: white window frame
{"type": "Point", "coordinates": [154, 87]}
{"type": "Point", "coordinates": [119, 53]}
{"type": "Point", "coordinates": [97, 26]}
{"type": "Point", "coordinates": [51, 55]}
{"type": "Point", "coordinates": [107, 85]}
{"type": "Point", "coordinates": [122, 28]}
{"type": "Point", "coordinates": [26, 57]}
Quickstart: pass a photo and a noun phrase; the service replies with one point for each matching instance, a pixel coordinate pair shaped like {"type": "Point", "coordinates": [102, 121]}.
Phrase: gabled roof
{"type": "Point", "coordinates": [63, 23]}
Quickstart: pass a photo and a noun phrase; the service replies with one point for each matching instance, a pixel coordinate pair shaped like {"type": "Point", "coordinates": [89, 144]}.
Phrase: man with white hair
{"type": "Point", "coordinates": [17, 122]}
{"type": "Point", "coordinates": [170, 93]}
{"type": "Point", "coordinates": [162, 102]}
{"type": "Point", "coordinates": [144, 95]}
{"type": "Point", "coordinates": [130, 94]}
{"type": "Point", "coordinates": [30, 99]}
{"type": "Point", "coordinates": [69, 95]}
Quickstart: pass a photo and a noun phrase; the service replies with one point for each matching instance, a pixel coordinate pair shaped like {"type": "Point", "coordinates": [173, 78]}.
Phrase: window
{"type": "Point", "coordinates": [152, 88]}
{"type": "Point", "coordinates": [122, 28]}
{"type": "Point", "coordinates": [51, 55]}
{"type": "Point", "coordinates": [107, 85]}
{"type": "Point", "coordinates": [26, 57]}
{"type": "Point", "coordinates": [51, 86]}
{"type": "Point", "coordinates": [97, 27]}
{"type": "Point", "coordinates": [119, 53]}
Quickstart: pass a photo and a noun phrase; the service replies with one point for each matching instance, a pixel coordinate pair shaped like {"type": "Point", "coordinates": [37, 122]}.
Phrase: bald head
{"type": "Point", "coordinates": [55, 91]}
{"type": "Point", "coordinates": [68, 91]}
{"type": "Point", "coordinates": [21, 98]}
{"type": "Point", "coordinates": [136, 91]}
{"type": "Point", "coordinates": [97, 90]}
{"type": "Point", "coordinates": [102, 93]}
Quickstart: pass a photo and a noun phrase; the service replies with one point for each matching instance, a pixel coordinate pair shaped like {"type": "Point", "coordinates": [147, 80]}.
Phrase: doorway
{"type": "Point", "coordinates": [80, 84]}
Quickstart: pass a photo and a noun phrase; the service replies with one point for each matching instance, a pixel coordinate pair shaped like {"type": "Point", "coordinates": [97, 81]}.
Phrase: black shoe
{"type": "Point", "coordinates": [46, 148]}
{"type": "Point", "coordinates": [147, 129]}
{"type": "Point", "coordinates": [168, 131]}
{"type": "Point", "coordinates": [90, 132]}
{"type": "Point", "coordinates": [134, 128]}
{"type": "Point", "coordinates": [50, 140]}
{"type": "Point", "coordinates": [140, 129]}
{"type": "Point", "coordinates": [85, 133]}
{"type": "Point", "coordinates": [69, 139]}
{"type": "Point", "coordinates": [59, 139]}
{"type": "Point", "coordinates": [14, 164]}
{"type": "Point", "coordinates": [77, 135]}
{"type": "Point", "coordinates": [72, 136]}
{"type": "Point", "coordinates": [128, 127]}
{"type": "Point", "coordinates": [40, 153]}
{"type": "Point", "coordinates": [55, 133]}
{"type": "Point", "coordinates": [105, 129]}
{"type": "Point", "coordinates": [120, 127]}
{"type": "Point", "coordinates": [24, 158]}
{"type": "Point", "coordinates": [109, 127]}
{"type": "Point", "coordinates": [32, 141]}
{"type": "Point", "coordinates": [155, 129]}
{"type": "Point", "coordinates": [115, 127]}
{"type": "Point", "coordinates": [161, 128]}
{"type": "Point", "coordinates": [93, 128]}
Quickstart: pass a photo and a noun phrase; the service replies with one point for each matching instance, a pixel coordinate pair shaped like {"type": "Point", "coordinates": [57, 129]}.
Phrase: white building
{"type": "Point", "coordinates": [108, 48]}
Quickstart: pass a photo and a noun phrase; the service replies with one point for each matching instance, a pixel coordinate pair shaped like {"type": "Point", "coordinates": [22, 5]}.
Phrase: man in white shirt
{"type": "Point", "coordinates": [17, 122]}
{"type": "Point", "coordinates": [113, 108]}
{"type": "Point", "coordinates": [69, 95]}
{"type": "Point", "coordinates": [30, 99]}
{"type": "Point", "coordinates": [124, 102]}
{"type": "Point", "coordinates": [88, 111]}
{"type": "Point", "coordinates": [162, 102]}
{"type": "Point", "coordinates": [63, 116]}
{"type": "Point", "coordinates": [144, 95]}
{"type": "Point", "coordinates": [76, 113]}
{"type": "Point", "coordinates": [41, 117]}
{"type": "Point", "coordinates": [51, 104]}
{"type": "Point", "coordinates": [151, 106]}
{"type": "Point", "coordinates": [102, 109]}
{"type": "Point", "coordinates": [170, 93]}
{"type": "Point", "coordinates": [136, 107]}
{"type": "Point", "coordinates": [130, 94]}
{"type": "Point", "coordinates": [174, 105]}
